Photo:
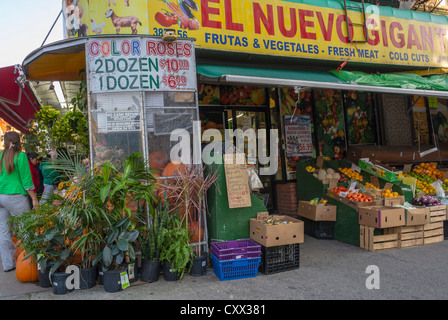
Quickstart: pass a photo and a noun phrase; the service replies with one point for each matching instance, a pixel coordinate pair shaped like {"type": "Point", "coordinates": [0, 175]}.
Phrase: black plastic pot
{"type": "Point", "coordinates": [132, 270]}
{"type": "Point", "coordinates": [169, 273]}
{"type": "Point", "coordinates": [199, 266]}
{"type": "Point", "coordinates": [88, 278]}
{"type": "Point", "coordinates": [149, 271]}
{"type": "Point", "coordinates": [59, 283]}
{"type": "Point", "coordinates": [112, 280]}
{"type": "Point", "coordinates": [44, 278]}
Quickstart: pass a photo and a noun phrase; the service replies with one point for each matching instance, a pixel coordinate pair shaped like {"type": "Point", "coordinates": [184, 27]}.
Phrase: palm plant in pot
{"type": "Point", "coordinates": [104, 212]}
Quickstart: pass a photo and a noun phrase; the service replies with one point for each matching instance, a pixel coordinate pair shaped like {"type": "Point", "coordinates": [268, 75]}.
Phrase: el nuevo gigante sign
{"type": "Point", "coordinates": [278, 28]}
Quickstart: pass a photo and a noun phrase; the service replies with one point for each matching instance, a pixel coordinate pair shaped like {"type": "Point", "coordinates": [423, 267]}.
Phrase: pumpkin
{"type": "Point", "coordinates": [172, 168]}
{"type": "Point", "coordinates": [14, 239]}
{"type": "Point", "coordinates": [26, 270]}
{"type": "Point", "coordinates": [158, 160]}
{"type": "Point", "coordinates": [19, 249]}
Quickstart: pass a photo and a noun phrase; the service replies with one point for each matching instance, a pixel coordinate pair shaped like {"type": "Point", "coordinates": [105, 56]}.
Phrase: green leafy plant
{"type": "Point", "coordinates": [119, 245]}
{"type": "Point", "coordinates": [175, 246]}
{"type": "Point", "coordinates": [29, 226]}
{"type": "Point", "coordinates": [151, 236]}
{"type": "Point", "coordinates": [99, 202]}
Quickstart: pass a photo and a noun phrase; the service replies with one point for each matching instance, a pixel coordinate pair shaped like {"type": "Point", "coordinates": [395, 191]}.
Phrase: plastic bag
{"type": "Point", "coordinates": [440, 193]}
{"type": "Point", "coordinates": [254, 181]}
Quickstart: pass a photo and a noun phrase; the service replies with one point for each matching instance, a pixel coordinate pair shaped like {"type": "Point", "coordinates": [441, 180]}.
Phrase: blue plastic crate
{"type": "Point", "coordinates": [235, 269]}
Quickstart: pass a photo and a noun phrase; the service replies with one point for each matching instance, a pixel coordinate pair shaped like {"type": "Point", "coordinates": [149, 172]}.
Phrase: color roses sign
{"type": "Point", "coordinates": [140, 64]}
{"type": "Point", "coordinates": [276, 27]}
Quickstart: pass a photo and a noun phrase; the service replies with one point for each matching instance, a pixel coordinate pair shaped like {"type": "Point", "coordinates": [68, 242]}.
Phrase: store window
{"type": "Point", "coordinates": [166, 112]}
{"type": "Point", "coordinates": [115, 127]}
{"type": "Point", "coordinates": [438, 109]}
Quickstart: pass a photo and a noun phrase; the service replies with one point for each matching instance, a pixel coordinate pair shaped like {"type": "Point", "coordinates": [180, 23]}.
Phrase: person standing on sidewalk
{"type": "Point", "coordinates": [16, 184]}
{"type": "Point", "coordinates": [50, 177]}
{"type": "Point", "coordinates": [33, 162]}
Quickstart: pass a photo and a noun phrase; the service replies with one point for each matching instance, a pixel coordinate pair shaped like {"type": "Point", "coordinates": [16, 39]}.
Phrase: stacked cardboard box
{"type": "Point", "coordinates": [279, 237]}
{"type": "Point", "coordinates": [377, 225]}
{"type": "Point", "coordinates": [319, 220]}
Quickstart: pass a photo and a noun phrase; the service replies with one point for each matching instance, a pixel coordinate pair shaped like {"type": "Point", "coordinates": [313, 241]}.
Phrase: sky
{"type": "Point", "coordinates": [24, 24]}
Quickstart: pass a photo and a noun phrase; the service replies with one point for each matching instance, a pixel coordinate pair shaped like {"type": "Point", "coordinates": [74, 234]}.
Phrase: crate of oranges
{"type": "Point", "coordinates": [392, 198]}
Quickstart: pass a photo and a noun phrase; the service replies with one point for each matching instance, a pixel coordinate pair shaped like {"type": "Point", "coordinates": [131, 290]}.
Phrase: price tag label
{"type": "Point", "coordinates": [407, 168]}
{"type": "Point", "coordinates": [388, 186]}
{"type": "Point", "coordinates": [131, 270]}
{"type": "Point", "coordinates": [320, 161]}
{"type": "Point", "coordinates": [333, 183]}
{"type": "Point", "coordinates": [356, 168]}
{"type": "Point", "coordinates": [124, 280]}
{"type": "Point", "coordinates": [374, 181]}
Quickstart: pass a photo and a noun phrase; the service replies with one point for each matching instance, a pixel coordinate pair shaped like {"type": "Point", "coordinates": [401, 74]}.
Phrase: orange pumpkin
{"type": "Point", "coordinates": [26, 270]}
{"type": "Point", "coordinates": [158, 160]}
{"type": "Point", "coordinates": [19, 249]}
{"type": "Point", "coordinates": [173, 167]}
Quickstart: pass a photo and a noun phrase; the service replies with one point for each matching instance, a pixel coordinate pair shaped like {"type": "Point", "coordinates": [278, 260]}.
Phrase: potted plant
{"type": "Point", "coordinates": [57, 253]}
{"type": "Point", "coordinates": [100, 202]}
{"type": "Point", "coordinates": [186, 190]}
{"type": "Point", "coordinates": [151, 241]}
{"type": "Point", "coordinates": [176, 252]}
{"type": "Point", "coordinates": [118, 248]}
{"type": "Point", "coordinates": [28, 228]}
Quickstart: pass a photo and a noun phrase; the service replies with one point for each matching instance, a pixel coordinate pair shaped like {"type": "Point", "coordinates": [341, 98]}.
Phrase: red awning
{"type": "Point", "coordinates": [17, 101]}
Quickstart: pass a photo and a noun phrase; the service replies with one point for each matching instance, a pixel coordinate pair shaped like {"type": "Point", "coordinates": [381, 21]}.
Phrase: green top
{"type": "Point", "coordinates": [18, 181]}
{"type": "Point", "coordinates": [50, 175]}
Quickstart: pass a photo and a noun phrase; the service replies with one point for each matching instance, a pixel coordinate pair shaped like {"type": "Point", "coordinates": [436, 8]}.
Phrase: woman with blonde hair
{"type": "Point", "coordinates": [16, 184]}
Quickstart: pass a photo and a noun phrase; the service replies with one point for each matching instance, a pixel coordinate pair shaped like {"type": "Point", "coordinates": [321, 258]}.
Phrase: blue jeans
{"type": "Point", "coordinates": [10, 204]}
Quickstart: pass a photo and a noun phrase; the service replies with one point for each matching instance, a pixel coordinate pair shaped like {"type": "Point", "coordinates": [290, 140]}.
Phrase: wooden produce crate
{"type": "Point", "coordinates": [437, 213]}
{"type": "Point", "coordinates": [433, 232]}
{"type": "Point", "coordinates": [369, 241]}
{"type": "Point", "coordinates": [408, 236]}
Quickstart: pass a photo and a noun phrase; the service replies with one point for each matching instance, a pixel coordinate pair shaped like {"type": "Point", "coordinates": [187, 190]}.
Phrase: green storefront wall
{"type": "Point", "coordinates": [224, 223]}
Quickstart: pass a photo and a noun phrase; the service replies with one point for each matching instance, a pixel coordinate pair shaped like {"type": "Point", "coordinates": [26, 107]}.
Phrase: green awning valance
{"type": "Point", "coordinates": [403, 83]}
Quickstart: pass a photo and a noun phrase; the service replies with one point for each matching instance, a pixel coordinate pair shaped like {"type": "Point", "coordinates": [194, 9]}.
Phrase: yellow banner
{"type": "Point", "coordinates": [279, 28]}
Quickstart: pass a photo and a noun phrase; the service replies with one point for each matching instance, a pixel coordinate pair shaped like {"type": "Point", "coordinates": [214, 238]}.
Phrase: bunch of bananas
{"type": "Point", "coordinates": [310, 169]}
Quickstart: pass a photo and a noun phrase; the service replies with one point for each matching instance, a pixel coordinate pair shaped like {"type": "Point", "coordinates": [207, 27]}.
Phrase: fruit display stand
{"type": "Point", "coordinates": [308, 186]}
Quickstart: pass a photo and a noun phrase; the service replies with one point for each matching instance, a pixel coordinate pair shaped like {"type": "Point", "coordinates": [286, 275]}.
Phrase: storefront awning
{"type": "Point", "coordinates": [17, 101]}
{"type": "Point", "coordinates": [263, 76]}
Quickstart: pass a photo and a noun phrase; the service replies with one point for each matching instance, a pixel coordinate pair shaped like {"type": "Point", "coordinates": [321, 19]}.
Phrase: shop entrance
{"type": "Point", "coordinates": [238, 117]}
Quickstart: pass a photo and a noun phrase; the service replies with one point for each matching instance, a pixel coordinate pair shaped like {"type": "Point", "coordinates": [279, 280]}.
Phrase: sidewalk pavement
{"type": "Point", "coordinates": [329, 270]}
